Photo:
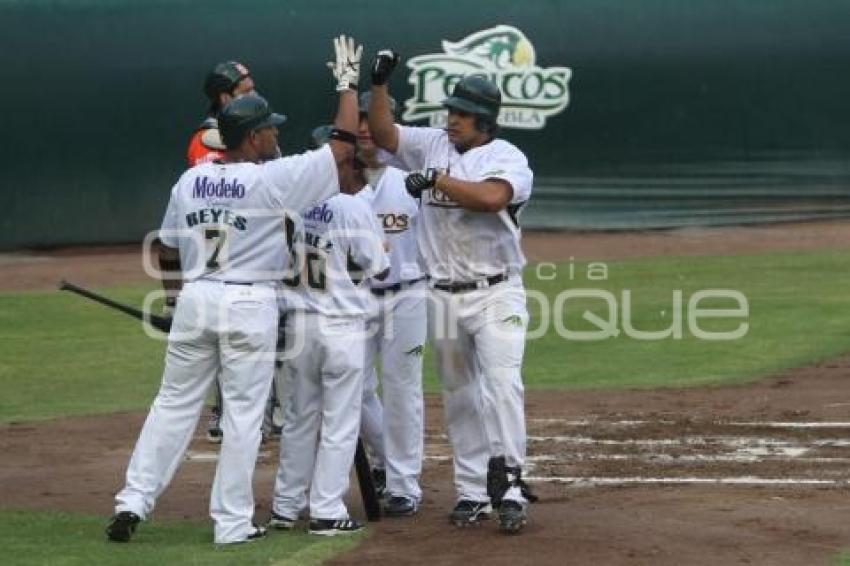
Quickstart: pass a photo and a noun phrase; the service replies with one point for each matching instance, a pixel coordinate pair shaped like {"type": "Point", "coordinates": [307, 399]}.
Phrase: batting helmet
{"type": "Point", "coordinates": [476, 95]}
{"type": "Point", "coordinates": [223, 78]}
{"type": "Point", "coordinates": [243, 115]}
{"type": "Point", "coordinates": [366, 98]}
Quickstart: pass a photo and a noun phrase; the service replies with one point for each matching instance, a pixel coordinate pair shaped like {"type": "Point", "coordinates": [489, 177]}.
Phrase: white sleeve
{"type": "Point", "coordinates": [170, 222]}
{"type": "Point", "coordinates": [365, 239]}
{"type": "Point", "coordinates": [416, 146]}
{"type": "Point", "coordinates": [510, 165]}
{"type": "Point", "coordinates": [300, 181]}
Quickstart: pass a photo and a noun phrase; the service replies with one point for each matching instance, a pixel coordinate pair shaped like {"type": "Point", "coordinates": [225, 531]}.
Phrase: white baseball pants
{"type": "Point", "coordinates": [229, 329]}
{"type": "Point", "coordinates": [321, 414]}
{"type": "Point", "coordinates": [479, 338]}
{"type": "Point", "coordinates": [397, 336]}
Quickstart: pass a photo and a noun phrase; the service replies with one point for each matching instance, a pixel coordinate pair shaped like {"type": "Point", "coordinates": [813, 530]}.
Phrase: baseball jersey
{"type": "Point", "coordinates": [338, 245]}
{"type": "Point", "coordinates": [226, 219]}
{"type": "Point", "coordinates": [396, 212]}
{"type": "Point", "coordinates": [205, 144]}
{"type": "Point", "coordinates": [457, 244]}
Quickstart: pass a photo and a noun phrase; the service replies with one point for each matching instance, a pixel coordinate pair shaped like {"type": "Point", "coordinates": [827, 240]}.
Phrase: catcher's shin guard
{"type": "Point", "coordinates": [497, 480]}
{"type": "Point", "coordinates": [500, 478]}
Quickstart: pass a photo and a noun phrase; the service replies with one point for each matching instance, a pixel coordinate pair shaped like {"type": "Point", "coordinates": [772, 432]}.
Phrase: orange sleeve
{"type": "Point", "coordinates": [198, 153]}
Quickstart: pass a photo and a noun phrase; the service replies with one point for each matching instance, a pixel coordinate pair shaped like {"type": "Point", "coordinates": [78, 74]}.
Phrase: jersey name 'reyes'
{"type": "Point", "coordinates": [226, 219]}
{"type": "Point", "coordinates": [337, 245]}
{"type": "Point", "coordinates": [457, 244]}
{"type": "Point", "coordinates": [396, 213]}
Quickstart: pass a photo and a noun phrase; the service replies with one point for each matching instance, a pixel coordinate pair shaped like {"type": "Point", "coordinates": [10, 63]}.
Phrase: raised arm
{"type": "Point", "coordinates": [384, 133]}
{"type": "Point", "coordinates": [346, 70]}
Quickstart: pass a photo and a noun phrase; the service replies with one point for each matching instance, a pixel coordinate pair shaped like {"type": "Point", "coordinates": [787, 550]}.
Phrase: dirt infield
{"type": "Point", "coordinates": [753, 474]}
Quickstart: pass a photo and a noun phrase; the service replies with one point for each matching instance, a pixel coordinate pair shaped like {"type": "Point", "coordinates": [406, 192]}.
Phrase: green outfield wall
{"type": "Point", "coordinates": [678, 113]}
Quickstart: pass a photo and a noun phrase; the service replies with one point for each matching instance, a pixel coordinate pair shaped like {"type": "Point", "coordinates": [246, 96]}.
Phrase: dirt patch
{"type": "Point", "coordinates": [791, 506]}
{"type": "Point", "coordinates": [753, 474]}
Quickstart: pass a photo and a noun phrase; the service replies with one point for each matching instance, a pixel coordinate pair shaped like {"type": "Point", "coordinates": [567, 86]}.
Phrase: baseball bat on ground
{"type": "Point", "coordinates": [367, 483]}
{"type": "Point", "coordinates": [162, 323]}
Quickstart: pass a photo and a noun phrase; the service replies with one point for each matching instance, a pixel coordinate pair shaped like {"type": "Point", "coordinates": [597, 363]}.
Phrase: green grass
{"type": "Point", "coordinates": [795, 303]}
{"type": "Point", "coordinates": [63, 355]}
{"type": "Point", "coordinates": [49, 538]}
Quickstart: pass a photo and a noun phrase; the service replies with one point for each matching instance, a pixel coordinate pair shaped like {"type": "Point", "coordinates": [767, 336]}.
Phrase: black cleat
{"type": "Point", "coordinates": [468, 512]}
{"type": "Point", "coordinates": [122, 526]}
{"type": "Point", "coordinates": [512, 516]}
{"type": "Point", "coordinates": [333, 527]}
{"type": "Point", "coordinates": [281, 522]}
{"type": "Point", "coordinates": [400, 506]}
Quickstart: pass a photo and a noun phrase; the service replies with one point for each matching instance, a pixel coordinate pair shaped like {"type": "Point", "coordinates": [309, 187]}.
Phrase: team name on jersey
{"type": "Point", "coordinates": [320, 214]}
{"type": "Point", "coordinates": [216, 216]}
{"type": "Point", "coordinates": [441, 199]}
{"type": "Point", "coordinates": [393, 223]}
{"type": "Point", "coordinates": [207, 188]}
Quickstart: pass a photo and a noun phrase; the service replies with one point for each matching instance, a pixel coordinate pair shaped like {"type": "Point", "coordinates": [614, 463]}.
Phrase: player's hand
{"type": "Point", "coordinates": [417, 182]}
{"type": "Point", "coordinates": [382, 66]}
{"type": "Point", "coordinates": [346, 67]}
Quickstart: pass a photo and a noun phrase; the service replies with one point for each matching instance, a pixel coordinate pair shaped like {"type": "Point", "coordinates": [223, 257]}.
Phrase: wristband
{"type": "Point", "coordinates": [343, 136]}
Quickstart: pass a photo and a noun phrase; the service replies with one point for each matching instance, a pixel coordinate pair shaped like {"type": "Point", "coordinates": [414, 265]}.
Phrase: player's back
{"type": "Point", "coordinates": [227, 218]}
{"type": "Point", "coordinates": [336, 247]}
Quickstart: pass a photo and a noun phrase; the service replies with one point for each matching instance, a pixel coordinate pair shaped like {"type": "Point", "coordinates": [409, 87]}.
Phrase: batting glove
{"type": "Point", "coordinates": [383, 65]}
{"type": "Point", "coordinates": [417, 182]}
{"type": "Point", "coordinates": [346, 68]}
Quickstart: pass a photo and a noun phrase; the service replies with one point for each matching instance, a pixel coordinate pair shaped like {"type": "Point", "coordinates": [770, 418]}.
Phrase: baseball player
{"type": "Point", "coordinates": [397, 334]}
{"type": "Point", "coordinates": [225, 81]}
{"type": "Point", "coordinates": [223, 233]}
{"type": "Point", "coordinates": [340, 244]}
{"type": "Point", "coordinates": [472, 187]}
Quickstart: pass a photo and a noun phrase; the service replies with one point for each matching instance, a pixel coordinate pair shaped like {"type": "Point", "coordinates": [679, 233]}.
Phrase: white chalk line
{"type": "Point", "coordinates": [688, 441]}
{"type": "Point", "coordinates": [578, 481]}
{"type": "Point", "coordinates": [631, 423]}
{"type": "Point", "coordinates": [200, 456]}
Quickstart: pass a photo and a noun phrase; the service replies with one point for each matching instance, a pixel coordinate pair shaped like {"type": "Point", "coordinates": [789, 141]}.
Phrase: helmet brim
{"type": "Point", "coordinates": [465, 105]}
{"type": "Point", "coordinates": [273, 119]}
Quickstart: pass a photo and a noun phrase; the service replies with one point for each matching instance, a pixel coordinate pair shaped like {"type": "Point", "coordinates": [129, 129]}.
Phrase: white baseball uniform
{"type": "Point", "coordinates": [226, 221]}
{"type": "Point", "coordinates": [477, 320]}
{"type": "Point", "coordinates": [323, 367]}
{"type": "Point", "coordinates": [397, 334]}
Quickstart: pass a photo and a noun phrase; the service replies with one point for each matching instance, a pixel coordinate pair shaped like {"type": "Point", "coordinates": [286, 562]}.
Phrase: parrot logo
{"type": "Point", "coordinates": [503, 47]}
{"type": "Point", "coordinates": [502, 54]}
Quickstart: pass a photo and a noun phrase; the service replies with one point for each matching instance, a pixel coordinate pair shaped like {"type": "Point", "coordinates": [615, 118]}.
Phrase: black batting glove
{"type": "Point", "coordinates": [417, 182]}
{"type": "Point", "coordinates": [383, 65]}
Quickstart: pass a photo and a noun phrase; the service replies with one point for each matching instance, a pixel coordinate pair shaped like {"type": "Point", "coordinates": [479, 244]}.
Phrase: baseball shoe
{"type": "Point", "coordinates": [258, 534]}
{"type": "Point", "coordinates": [400, 506]}
{"type": "Point", "coordinates": [512, 516]}
{"type": "Point", "coordinates": [281, 522]}
{"type": "Point", "coordinates": [214, 432]}
{"type": "Point", "coordinates": [379, 477]}
{"type": "Point", "coordinates": [468, 512]}
{"type": "Point", "coordinates": [333, 527]}
{"type": "Point", "coordinates": [122, 526]}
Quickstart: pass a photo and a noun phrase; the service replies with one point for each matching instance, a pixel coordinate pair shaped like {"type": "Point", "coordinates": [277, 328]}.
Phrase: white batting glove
{"type": "Point", "coordinates": [346, 68]}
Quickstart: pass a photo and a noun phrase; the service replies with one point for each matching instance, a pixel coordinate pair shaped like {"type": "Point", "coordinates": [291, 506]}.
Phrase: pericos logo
{"type": "Point", "coordinates": [502, 54]}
